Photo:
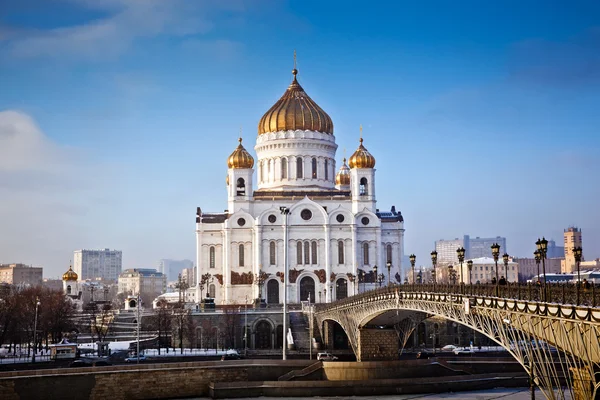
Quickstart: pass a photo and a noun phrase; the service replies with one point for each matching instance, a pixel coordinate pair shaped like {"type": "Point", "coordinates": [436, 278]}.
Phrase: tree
{"type": "Point", "coordinates": [182, 323]}
{"type": "Point", "coordinates": [101, 317]}
{"type": "Point", "coordinates": [161, 322]}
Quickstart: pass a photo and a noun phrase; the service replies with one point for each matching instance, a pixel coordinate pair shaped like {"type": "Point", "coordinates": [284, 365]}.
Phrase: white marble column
{"type": "Point", "coordinates": [226, 268]}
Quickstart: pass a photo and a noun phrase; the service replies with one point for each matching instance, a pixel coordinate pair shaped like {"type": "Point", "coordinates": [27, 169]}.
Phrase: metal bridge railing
{"type": "Point", "coordinates": [557, 293]}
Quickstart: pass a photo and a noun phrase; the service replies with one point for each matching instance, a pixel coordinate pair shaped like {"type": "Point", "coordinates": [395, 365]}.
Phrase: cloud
{"type": "Point", "coordinates": [572, 62]}
{"type": "Point", "coordinates": [126, 21]}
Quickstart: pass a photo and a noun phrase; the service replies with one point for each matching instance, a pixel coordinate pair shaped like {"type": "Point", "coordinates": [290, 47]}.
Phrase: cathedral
{"type": "Point", "coordinates": [304, 211]}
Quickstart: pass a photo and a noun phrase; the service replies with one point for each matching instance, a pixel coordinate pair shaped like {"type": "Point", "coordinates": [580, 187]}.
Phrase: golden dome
{"type": "Point", "coordinates": [343, 176]}
{"type": "Point", "coordinates": [240, 158]}
{"type": "Point", "coordinates": [295, 111]}
{"type": "Point", "coordinates": [362, 158]}
{"type": "Point", "coordinates": [70, 275]}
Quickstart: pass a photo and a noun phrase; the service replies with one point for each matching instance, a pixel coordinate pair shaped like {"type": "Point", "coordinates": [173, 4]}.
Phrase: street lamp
{"type": "Point", "coordinates": [361, 278]}
{"type": "Point", "coordinates": [496, 254]}
{"type": "Point", "coordinates": [434, 263]}
{"type": "Point", "coordinates": [577, 252]}
{"type": "Point", "coordinates": [380, 279]}
{"type": "Point", "coordinates": [37, 304]}
{"type": "Point", "coordinates": [505, 257]}
{"type": "Point", "coordinates": [451, 274]}
{"type": "Point", "coordinates": [470, 268]}
{"type": "Point", "coordinates": [542, 246]}
{"type": "Point", "coordinates": [413, 259]}
{"type": "Point", "coordinates": [375, 274]}
{"type": "Point", "coordinates": [536, 255]}
{"type": "Point", "coordinates": [389, 267]}
{"type": "Point", "coordinates": [261, 277]}
{"type": "Point", "coordinates": [285, 211]}
{"type": "Point", "coordinates": [460, 252]}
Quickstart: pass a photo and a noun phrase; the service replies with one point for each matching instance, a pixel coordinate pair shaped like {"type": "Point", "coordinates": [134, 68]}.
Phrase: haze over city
{"type": "Point", "coordinates": [116, 117]}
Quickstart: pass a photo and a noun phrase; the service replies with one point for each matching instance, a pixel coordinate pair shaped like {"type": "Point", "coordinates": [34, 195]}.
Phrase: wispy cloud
{"type": "Point", "coordinates": [125, 22]}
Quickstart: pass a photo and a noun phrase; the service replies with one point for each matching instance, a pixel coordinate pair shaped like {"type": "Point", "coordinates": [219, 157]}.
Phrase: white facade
{"type": "Point", "coordinates": [142, 281]}
{"type": "Point", "coordinates": [484, 270]}
{"type": "Point", "coordinates": [91, 264]}
{"type": "Point", "coordinates": [333, 228]}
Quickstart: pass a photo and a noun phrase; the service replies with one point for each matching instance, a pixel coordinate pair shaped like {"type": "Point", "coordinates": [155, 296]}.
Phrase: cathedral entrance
{"type": "Point", "coordinates": [341, 289]}
{"type": "Point", "coordinates": [273, 292]}
{"type": "Point", "coordinates": [263, 335]}
{"type": "Point", "coordinates": [307, 288]}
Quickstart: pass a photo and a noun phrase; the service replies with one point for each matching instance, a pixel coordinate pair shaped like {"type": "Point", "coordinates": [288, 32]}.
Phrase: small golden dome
{"type": "Point", "coordinates": [240, 158]}
{"type": "Point", "coordinates": [362, 158]}
{"type": "Point", "coordinates": [295, 111]}
{"type": "Point", "coordinates": [343, 176]}
{"type": "Point", "coordinates": [70, 275]}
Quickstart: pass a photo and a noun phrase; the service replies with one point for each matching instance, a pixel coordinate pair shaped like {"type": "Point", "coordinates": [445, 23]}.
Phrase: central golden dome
{"type": "Point", "coordinates": [295, 111]}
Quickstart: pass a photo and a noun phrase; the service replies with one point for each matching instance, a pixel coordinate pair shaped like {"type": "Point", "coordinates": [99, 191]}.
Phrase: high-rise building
{"type": "Point", "coordinates": [92, 264]}
{"type": "Point", "coordinates": [20, 274]}
{"type": "Point", "coordinates": [172, 268]}
{"type": "Point", "coordinates": [474, 248]}
{"type": "Point", "coordinates": [572, 239]}
{"type": "Point", "coordinates": [555, 251]}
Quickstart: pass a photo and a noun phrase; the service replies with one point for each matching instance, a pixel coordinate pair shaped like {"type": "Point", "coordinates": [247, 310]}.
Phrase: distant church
{"type": "Point", "coordinates": [336, 234]}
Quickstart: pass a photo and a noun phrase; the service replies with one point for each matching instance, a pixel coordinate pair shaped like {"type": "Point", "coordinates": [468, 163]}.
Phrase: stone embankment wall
{"type": "Point", "coordinates": [148, 381]}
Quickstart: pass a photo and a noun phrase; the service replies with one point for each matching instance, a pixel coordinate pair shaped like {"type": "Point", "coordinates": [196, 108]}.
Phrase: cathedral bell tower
{"type": "Point", "coordinates": [362, 179]}
{"type": "Point", "coordinates": [239, 179]}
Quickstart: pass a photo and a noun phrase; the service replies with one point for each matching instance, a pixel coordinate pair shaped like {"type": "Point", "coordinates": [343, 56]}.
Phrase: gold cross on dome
{"type": "Point", "coordinates": [295, 59]}
{"type": "Point", "coordinates": [361, 131]}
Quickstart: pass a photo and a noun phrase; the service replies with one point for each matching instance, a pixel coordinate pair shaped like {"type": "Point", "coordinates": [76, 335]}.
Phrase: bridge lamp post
{"type": "Point", "coordinates": [389, 267]}
{"type": "Point", "coordinates": [434, 263]}
{"type": "Point", "coordinates": [577, 252]}
{"type": "Point", "coordinates": [505, 258]}
{"type": "Point", "coordinates": [375, 276]}
{"type": "Point", "coordinates": [470, 268]}
{"type": "Point", "coordinates": [37, 305]}
{"type": "Point", "coordinates": [496, 255]}
{"type": "Point", "coordinates": [542, 246]}
{"type": "Point", "coordinates": [413, 259]}
{"type": "Point", "coordinates": [380, 279]}
{"type": "Point", "coordinates": [460, 252]}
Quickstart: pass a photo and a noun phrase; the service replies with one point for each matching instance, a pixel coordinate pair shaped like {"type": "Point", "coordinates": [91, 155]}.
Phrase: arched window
{"type": "Point", "coordinates": [212, 290]}
{"type": "Point", "coordinates": [284, 168]}
{"type": "Point", "coordinates": [366, 253]}
{"type": "Point", "coordinates": [299, 167]}
{"type": "Point", "coordinates": [314, 168]}
{"type": "Point", "coordinates": [241, 187]}
{"type": "Point", "coordinates": [341, 289]}
{"type": "Point", "coordinates": [68, 289]}
{"type": "Point", "coordinates": [272, 253]}
{"type": "Point", "coordinates": [326, 169]}
{"type": "Point", "coordinates": [340, 252]}
{"type": "Point", "coordinates": [273, 291]}
{"type": "Point", "coordinates": [299, 253]}
{"type": "Point", "coordinates": [211, 257]}
{"type": "Point", "coordinates": [314, 252]}
{"type": "Point", "coordinates": [306, 252]}
{"type": "Point", "coordinates": [307, 289]}
{"type": "Point", "coordinates": [241, 255]}
{"type": "Point", "coordinates": [362, 188]}
{"type": "Point", "coordinates": [388, 250]}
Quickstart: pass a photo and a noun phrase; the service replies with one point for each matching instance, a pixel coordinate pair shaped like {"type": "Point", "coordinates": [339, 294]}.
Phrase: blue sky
{"type": "Point", "coordinates": [116, 117]}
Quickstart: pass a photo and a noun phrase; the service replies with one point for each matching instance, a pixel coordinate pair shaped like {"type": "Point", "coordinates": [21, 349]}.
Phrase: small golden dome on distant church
{"type": "Point", "coordinates": [362, 158]}
{"type": "Point", "coordinates": [343, 176]}
{"type": "Point", "coordinates": [70, 275]}
{"type": "Point", "coordinates": [295, 111]}
{"type": "Point", "coordinates": [240, 158]}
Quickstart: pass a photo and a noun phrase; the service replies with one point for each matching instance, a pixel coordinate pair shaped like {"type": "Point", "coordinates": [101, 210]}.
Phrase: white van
{"type": "Point", "coordinates": [326, 357]}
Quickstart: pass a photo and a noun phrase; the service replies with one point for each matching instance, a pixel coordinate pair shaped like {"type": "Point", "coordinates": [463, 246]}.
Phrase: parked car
{"type": "Point", "coordinates": [449, 347]}
{"type": "Point", "coordinates": [326, 357]}
{"type": "Point", "coordinates": [89, 362]}
{"type": "Point", "coordinates": [134, 359]}
{"type": "Point", "coordinates": [464, 350]}
{"type": "Point", "coordinates": [424, 355]}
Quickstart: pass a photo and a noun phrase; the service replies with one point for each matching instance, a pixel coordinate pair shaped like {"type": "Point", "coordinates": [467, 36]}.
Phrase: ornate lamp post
{"type": "Point", "coordinates": [451, 274]}
{"type": "Point", "coordinates": [496, 255]}
{"type": "Point", "coordinates": [505, 258]}
{"type": "Point", "coordinates": [261, 277]}
{"type": "Point", "coordinates": [470, 268]}
{"type": "Point", "coordinates": [433, 276]}
{"type": "Point", "coordinates": [37, 305]}
{"type": "Point", "coordinates": [375, 274]}
{"type": "Point", "coordinates": [413, 259]}
{"type": "Point", "coordinates": [538, 258]}
{"type": "Point", "coordinates": [460, 252]}
{"type": "Point", "coordinates": [542, 246]}
{"type": "Point", "coordinates": [389, 267]}
{"type": "Point", "coordinates": [577, 252]}
{"type": "Point", "coordinates": [434, 263]}
{"type": "Point", "coordinates": [380, 279]}
{"type": "Point", "coordinates": [361, 278]}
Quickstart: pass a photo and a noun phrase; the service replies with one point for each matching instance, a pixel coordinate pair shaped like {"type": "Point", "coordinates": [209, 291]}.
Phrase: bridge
{"type": "Point", "coordinates": [553, 331]}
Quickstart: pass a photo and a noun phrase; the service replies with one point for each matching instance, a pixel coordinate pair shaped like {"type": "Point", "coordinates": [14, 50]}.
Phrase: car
{"type": "Point", "coordinates": [134, 359]}
{"type": "Point", "coordinates": [326, 357]}
{"type": "Point", "coordinates": [449, 347]}
{"type": "Point", "coordinates": [89, 362]}
{"type": "Point", "coordinates": [423, 355]}
{"type": "Point", "coordinates": [465, 350]}
{"type": "Point", "coordinates": [231, 356]}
